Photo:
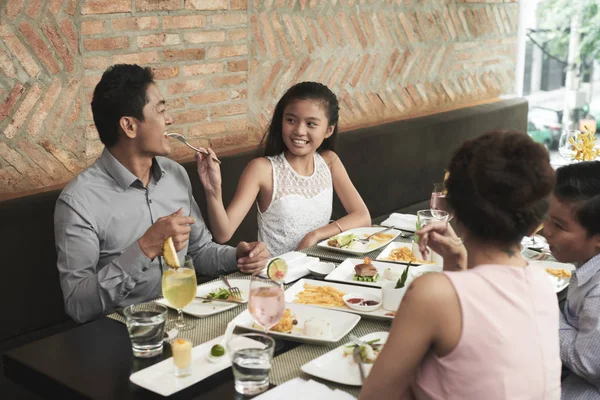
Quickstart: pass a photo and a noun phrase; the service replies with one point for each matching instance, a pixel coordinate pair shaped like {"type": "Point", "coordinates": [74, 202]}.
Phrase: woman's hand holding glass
{"type": "Point", "coordinates": [441, 238]}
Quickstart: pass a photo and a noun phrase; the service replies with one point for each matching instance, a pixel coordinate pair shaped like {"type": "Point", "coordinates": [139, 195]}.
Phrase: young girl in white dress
{"type": "Point", "coordinates": [293, 184]}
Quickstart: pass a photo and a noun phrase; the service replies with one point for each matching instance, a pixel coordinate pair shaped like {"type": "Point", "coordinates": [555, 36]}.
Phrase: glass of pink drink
{"type": "Point", "coordinates": [266, 302]}
{"type": "Point", "coordinates": [438, 199]}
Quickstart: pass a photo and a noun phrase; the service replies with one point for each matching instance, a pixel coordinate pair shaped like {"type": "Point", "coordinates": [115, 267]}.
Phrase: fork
{"type": "Point", "coordinates": [182, 140]}
{"type": "Point", "coordinates": [235, 291]}
{"type": "Point", "coordinates": [358, 361]}
{"type": "Point", "coordinates": [366, 240]}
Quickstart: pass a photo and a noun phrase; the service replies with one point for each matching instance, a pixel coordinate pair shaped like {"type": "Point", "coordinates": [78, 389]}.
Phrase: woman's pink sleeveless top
{"type": "Point", "coordinates": [509, 346]}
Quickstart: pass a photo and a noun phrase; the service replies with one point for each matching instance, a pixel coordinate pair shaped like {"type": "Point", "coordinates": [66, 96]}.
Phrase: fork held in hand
{"type": "Point", "coordinates": [235, 291]}
{"type": "Point", "coordinates": [182, 140]}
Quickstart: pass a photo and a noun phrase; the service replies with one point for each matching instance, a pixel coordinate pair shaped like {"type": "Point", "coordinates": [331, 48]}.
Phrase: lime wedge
{"type": "Point", "coordinates": [217, 350]}
{"type": "Point", "coordinates": [277, 269]}
{"type": "Point", "coordinates": [170, 254]}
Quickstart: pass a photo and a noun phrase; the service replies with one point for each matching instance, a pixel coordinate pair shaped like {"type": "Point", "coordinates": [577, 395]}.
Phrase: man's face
{"type": "Point", "coordinates": [150, 137]}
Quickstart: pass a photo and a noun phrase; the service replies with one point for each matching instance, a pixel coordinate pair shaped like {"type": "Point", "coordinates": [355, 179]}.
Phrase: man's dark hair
{"type": "Point", "coordinates": [120, 93]}
{"type": "Point", "coordinates": [578, 185]}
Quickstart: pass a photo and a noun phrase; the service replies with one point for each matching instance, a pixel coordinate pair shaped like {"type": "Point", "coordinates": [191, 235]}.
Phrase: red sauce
{"type": "Point", "coordinates": [369, 303]}
{"type": "Point", "coordinates": [354, 301]}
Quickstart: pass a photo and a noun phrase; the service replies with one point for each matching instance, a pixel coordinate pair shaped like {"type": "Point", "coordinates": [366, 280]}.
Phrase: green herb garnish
{"type": "Point", "coordinates": [220, 293]}
{"type": "Point", "coordinates": [402, 281]}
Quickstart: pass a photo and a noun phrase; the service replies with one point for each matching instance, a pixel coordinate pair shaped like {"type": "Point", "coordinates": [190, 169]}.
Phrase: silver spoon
{"type": "Point", "coordinates": [182, 140]}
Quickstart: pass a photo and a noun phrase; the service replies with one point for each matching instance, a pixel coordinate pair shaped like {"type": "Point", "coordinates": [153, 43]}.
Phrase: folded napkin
{"type": "Point", "coordinates": [299, 389]}
{"type": "Point", "coordinates": [405, 222]}
{"type": "Point", "coordinates": [297, 263]}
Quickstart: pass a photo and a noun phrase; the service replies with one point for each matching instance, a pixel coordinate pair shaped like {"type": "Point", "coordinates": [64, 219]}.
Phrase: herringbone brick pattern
{"type": "Point", "coordinates": [223, 64]}
{"type": "Point", "coordinates": [385, 59]}
{"type": "Point", "coordinates": [42, 140]}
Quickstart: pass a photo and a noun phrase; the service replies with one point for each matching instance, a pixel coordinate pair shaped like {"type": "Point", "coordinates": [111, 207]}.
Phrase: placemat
{"type": "Point", "coordinates": [204, 329]}
{"type": "Point", "coordinates": [287, 365]}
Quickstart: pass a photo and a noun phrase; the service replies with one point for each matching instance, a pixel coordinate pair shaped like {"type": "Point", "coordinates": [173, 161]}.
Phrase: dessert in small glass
{"type": "Point", "coordinates": [182, 357]}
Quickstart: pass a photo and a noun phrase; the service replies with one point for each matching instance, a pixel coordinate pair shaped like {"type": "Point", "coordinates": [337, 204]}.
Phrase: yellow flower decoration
{"type": "Point", "coordinates": [584, 146]}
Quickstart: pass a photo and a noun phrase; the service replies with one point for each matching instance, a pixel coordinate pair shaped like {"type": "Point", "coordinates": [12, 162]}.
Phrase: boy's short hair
{"type": "Point", "coordinates": [579, 186]}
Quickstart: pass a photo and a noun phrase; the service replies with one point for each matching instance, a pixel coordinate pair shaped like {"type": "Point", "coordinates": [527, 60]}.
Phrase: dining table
{"type": "Point", "coordinates": [95, 360]}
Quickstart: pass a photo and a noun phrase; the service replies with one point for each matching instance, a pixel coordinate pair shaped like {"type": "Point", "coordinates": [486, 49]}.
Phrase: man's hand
{"type": "Point", "coordinates": [252, 257]}
{"type": "Point", "coordinates": [174, 225]}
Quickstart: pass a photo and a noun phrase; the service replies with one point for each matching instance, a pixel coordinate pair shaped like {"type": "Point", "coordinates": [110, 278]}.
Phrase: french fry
{"type": "Point", "coordinates": [559, 272]}
{"type": "Point", "coordinates": [404, 254]}
{"type": "Point", "coordinates": [320, 295]}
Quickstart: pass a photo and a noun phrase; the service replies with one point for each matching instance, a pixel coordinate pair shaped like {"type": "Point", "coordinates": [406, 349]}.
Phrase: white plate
{"type": "Point", "coordinates": [362, 233]}
{"type": "Point", "coordinates": [337, 367]}
{"type": "Point", "coordinates": [559, 284]}
{"type": "Point", "coordinates": [160, 377]}
{"type": "Point", "coordinates": [345, 271]}
{"type": "Point", "coordinates": [380, 313]}
{"type": "Point", "coordinates": [341, 323]}
{"type": "Point", "coordinates": [198, 308]}
{"type": "Point", "coordinates": [385, 254]}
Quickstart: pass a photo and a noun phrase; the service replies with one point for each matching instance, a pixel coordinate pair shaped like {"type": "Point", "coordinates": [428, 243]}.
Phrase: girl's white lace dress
{"type": "Point", "coordinates": [300, 204]}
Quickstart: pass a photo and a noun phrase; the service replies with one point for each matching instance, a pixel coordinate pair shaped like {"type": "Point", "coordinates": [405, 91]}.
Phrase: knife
{"type": "Point", "coordinates": [221, 300]}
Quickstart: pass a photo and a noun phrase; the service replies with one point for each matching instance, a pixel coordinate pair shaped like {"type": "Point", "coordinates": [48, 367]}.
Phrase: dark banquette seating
{"type": "Point", "coordinates": [392, 165]}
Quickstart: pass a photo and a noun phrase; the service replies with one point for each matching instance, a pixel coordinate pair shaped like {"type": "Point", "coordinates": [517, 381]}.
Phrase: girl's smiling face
{"type": "Point", "coordinates": [305, 126]}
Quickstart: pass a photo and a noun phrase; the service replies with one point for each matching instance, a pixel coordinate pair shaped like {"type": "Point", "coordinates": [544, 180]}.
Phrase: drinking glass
{"type": "Point", "coordinates": [251, 355]}
{"type": "Point", "coordinates": [146, 326]}
{"type": "Point", "coordinates": [266, 302]}
{"type": "Point", "coordinates": [423, 218]}
{"type": "Point", "coordinates": [179, 289]}
{"type": "Point", "coordinates": [565, 148]}
{"type": "Point", "coordinates": [438, 201]}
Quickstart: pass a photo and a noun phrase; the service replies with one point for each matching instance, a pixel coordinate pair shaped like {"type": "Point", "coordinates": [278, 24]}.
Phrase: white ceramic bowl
{"type": "Point", "coordinates": [365, 297]}
{"type": "Point", "coordinates": [321, 269]}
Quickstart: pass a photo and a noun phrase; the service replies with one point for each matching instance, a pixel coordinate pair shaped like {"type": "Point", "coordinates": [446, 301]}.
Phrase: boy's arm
{"type": "Point", "coordinates": [579, 347]}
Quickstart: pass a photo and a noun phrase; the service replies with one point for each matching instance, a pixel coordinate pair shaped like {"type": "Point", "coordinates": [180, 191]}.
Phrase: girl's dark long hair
{"type": "Point", "coordinates": [273, 140]}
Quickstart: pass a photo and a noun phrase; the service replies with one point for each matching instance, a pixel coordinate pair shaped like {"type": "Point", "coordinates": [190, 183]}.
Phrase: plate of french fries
{"type": "Point", "coordinates": [558, 273]}
{"type": "Point", "coordinates": [302, 323]}
{"type": "Point", "coordinates": [402, 253]}
{"type": "Point", "coordinates": [329, 295]}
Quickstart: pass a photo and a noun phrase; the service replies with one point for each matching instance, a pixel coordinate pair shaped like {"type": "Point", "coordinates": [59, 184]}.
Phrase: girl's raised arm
{"type": "Point", "coordinates": [224, 222]}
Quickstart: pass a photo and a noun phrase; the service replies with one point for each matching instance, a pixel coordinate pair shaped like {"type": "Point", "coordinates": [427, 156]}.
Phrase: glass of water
{"type": "Point", "coordinates": [565, 145]}
{"type": "Point", "coordinates": [251, 355]}
{"type": "Point", "coordinates": [146, 327]}
{"type": "Point", "coordinates": [423, 218]}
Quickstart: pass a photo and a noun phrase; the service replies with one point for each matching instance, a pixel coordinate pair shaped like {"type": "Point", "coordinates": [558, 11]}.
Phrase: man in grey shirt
{"type": "Point", "coordinates": [111, 221]}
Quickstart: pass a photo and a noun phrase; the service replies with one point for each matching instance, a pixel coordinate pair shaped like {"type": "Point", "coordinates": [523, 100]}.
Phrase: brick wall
{"type": "Point", "coordinates": [222, 65]}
